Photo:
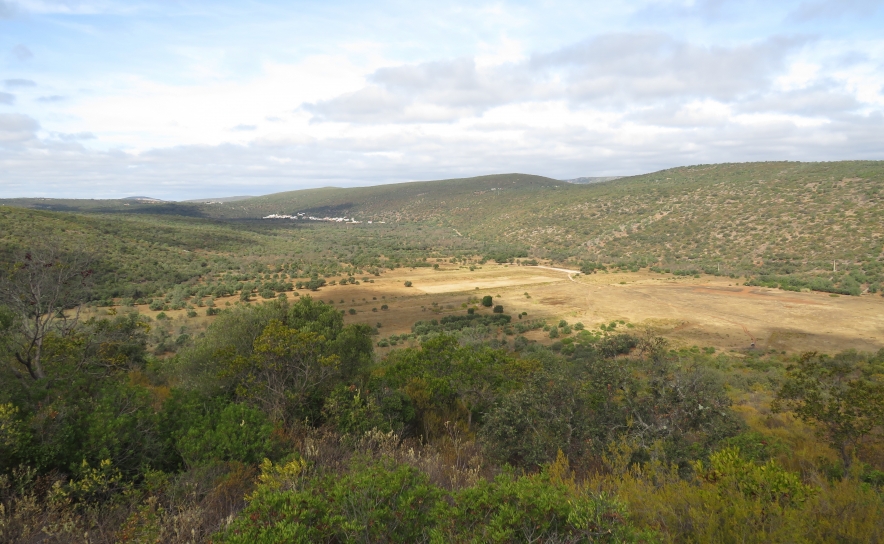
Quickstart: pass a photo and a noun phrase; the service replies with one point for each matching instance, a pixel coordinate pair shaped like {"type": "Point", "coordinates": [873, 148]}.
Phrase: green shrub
{"type": "Point", "coordinates": [373, 502]}
{"type": "Point", "coordinates": [534, 509]}
{"type": "Point", "coordinates": [235, 433]}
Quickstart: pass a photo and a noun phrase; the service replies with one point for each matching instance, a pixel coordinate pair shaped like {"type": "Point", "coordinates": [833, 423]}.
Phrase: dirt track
{"type": "Point", "coordinates": [708, 311]}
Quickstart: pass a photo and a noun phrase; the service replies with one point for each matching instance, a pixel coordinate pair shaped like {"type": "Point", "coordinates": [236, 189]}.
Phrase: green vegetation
{"type": "Point", "coordinates": [769, 221]}
{"type": "Point", "coordinates": [279, 424]}
{"type": "Point", "coordinates": [172, 262]}
{"type": "Point", "coordinates": [274, 421]}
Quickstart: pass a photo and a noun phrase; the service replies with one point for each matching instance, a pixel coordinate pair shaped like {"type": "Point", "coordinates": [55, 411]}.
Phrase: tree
{"type": "Point", "coordinates": [287, 365]}
{"type": "Point", "coordinates": [487, 301]}
{"type": "Point", "coordinates": [832, 394]}
{"type": "Point", "coordinates": [44, 288]}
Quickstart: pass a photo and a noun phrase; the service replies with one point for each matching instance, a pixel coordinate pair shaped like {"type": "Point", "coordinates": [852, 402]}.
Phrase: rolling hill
{"type": "Point", "coordinates": [761, 219]}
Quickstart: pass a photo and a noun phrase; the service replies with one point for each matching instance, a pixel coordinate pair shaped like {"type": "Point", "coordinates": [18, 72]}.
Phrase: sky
{"type": "Point", "coordinates": [179, 99]}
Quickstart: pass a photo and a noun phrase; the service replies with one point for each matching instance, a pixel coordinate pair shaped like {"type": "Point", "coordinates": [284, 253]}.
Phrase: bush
{"type": "Point", "coordinates": [235, 433]}
{"type": "Point", "coordinates": [407, 284]}
{"type": "Point", "coordinates": [354, 412]}
{"type": "Point", "coordinates": [509, 509]}
{"type": "Point", "coordinates": [373, 502]}
{"type": "Point", "coordinates": [382, 501]}
{"type": "Point", "coordinates": [498, 309]}
{"type": "Point", "coordinates": [487, 301]}
{"type": "Point", "coordinates": [451, 323]}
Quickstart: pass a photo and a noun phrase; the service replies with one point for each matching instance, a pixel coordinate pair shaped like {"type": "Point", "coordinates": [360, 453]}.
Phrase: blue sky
{"type": "Point", "coordinates": [187, 99]}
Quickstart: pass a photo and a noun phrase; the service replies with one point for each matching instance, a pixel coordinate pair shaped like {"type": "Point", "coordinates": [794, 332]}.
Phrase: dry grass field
{"type": "Point", "coordinates": [709, 311]}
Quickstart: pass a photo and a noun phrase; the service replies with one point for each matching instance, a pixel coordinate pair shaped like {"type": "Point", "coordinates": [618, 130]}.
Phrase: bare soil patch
{"type": "Point", "coordinates": [708, 311]}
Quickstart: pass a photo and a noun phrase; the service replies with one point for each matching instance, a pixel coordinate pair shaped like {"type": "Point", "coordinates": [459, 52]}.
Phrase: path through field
{"type": "Point", "coordinates": [709, 311]}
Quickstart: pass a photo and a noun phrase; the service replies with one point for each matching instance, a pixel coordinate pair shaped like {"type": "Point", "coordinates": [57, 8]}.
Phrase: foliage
{"type": "Point", "coordinates": [38, 287]}
{"type": "Point", "coordinates": [234, 433]}
{"type": "Point", "coordinates": [372, 502]}
{"type": "Point", "coordinates": [389, 502]}
{"type": "Point", "coordinates": [833, 394]}
{"type": "Point", "coordinates": [604, 437]}
{"type": "Point", "coordinates": [451, 323]}
{"type": "Point", "coordinates": [354, 412]}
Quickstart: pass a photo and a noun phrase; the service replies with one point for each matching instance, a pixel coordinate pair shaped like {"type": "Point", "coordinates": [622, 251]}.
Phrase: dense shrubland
{"type": "Point", "coordinates": [171, 263]}
{"type": "Point", "coordinates": [280, 424]}
{"type": "Point", "coordinates": [780, 224]}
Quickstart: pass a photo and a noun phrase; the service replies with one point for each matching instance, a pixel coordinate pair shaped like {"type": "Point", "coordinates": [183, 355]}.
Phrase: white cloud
{"type": "Point", "coordinates": [503, 91]}
{"type": "Point", "coordinates": [16, 128]}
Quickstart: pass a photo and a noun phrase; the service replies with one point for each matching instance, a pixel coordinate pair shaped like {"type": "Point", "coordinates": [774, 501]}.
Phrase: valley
{"type": "Point", "coordinates": [697, 351]}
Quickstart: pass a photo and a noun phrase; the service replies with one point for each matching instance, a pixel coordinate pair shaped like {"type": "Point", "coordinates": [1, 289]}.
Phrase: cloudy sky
{"type": "Point", "coordinates": [182, 99]}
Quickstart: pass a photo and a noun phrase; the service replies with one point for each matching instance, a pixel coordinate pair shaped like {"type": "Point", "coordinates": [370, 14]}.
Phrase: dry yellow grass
{"type": "Point", "coordinates": [709, 311]}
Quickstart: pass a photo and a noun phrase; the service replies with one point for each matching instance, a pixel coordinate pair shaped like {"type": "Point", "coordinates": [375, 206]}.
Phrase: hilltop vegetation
{"type": "Point", "coordinates": [140, 258]}
{"type": "Point", "coordinates": [812, 221]}
{"type": "Point", "coordinates": [762, 219]}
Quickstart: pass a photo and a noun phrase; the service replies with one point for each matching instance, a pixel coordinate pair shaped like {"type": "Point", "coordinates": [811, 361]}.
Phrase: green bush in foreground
{"type": "Point", "coordinates": [382, 501]}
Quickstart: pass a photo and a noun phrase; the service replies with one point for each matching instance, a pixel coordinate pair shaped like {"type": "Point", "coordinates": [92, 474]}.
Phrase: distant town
{"type": "Point", "coordinates": [311, 218]}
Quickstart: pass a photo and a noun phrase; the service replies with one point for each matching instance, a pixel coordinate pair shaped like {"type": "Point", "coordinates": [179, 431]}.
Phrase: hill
{"type": "Point", "coordinates": [588, 180]}
{"type": "Point", "coordinates": [761, 219]}
{"type": "Point", "coordinates": [219, 200]}
{"type": "Point", "coordinates": [412, 202]}
{"type": "Point", "coordinates": [773, 218]}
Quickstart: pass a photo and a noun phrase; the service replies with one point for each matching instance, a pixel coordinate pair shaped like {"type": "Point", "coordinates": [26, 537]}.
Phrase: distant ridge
{"type": "Point", "coordinates": [219, 200]}
{"type": "Point", "coordinates": [588, 180]}
{"type": "Point", "coordinates": [143, 199]}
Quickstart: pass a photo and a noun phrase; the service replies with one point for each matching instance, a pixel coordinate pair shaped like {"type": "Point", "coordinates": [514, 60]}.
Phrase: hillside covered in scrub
{"type": "Point", "coordinates": [813, 222]}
